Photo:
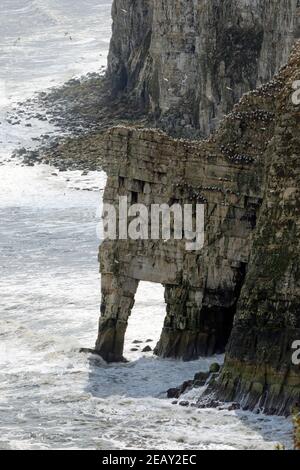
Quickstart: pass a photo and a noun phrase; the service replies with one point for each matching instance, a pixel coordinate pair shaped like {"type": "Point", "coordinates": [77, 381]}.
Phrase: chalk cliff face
{"type": "Point", "coordinates": [188, 62]}
{"type": "Point", "coordinates": [247, 274]}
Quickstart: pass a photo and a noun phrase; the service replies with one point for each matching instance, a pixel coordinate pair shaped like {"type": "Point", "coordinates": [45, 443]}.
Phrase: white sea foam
{"type": "Point", "coordinates": [50, 395]}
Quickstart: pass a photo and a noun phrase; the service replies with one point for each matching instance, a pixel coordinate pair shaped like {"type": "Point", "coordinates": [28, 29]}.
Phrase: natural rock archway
{"type": "Point", "coordinates": [226, 174]}
{"type": "Point", "coordinates": [247, 176]}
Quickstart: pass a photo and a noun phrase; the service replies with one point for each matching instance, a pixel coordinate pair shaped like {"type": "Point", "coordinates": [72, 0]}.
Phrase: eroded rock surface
{"type": "Point", "coordinates": [247, 176]}
{"type": "Point", "coordinates": [226, 174]}
{"type": "Point", "coordinates": [258, 364]}
{"type": "Point", "coordinates": [188, 62]}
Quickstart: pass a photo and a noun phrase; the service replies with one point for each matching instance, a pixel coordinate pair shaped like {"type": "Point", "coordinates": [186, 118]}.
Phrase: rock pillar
{"type": "Point", "coordinates": [117, 302]}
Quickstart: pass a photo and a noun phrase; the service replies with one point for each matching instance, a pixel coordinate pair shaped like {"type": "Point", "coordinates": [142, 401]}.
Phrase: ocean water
{"type": "Point", "coordinates": [52, 397]}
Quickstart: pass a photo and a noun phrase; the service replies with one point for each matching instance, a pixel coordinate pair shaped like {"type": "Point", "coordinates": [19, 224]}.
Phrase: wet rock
{"type": "Point", "coordinates": [177, 391]}
{"type": "Point", "coordinates": [184, 403]}
{"type": "Point", "coordinates": [209, 404]}
{"type": "Point", "coordinates": [87, 351]}
{"type": "Point", "coordinates": [214, 368]}
{"type": "Point", "coordinates": [234, 407]}
{"type": "Point", "coordinates": [201, 378]}
{"type": "Point", "coordinates": [173, 393]}
{"type": "Point", "coordinates": [147, 349]}
{"type": "Point", "coordinates": [21, 151]}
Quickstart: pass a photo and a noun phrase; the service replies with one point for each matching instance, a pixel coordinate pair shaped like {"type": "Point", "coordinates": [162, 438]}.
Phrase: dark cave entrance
{"type": "Point", "coordinates": [218, 321]}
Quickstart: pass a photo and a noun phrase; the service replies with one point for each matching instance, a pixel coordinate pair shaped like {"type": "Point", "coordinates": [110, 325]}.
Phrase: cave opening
{"type": "Point", "coordinates": [216, 323]}
{"type": "Point", "coordinates": [223, 318]}
{"type": "Point", "coordinates": [146, 320]}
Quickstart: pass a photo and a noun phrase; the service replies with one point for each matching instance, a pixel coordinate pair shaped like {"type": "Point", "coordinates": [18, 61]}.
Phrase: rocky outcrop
{"type": "Point", "coordinates": [247, 176]}
{"type": "Point", "coordinates": [226, 174]}
{"type": "Point", "coordinates": [202, 287]}
{"type": "Point", "coordinates": [258, 366]}
{"type": "Point", "coordinates": [130, 42]}
{"type": "Point", "coordinates": [187, 62]}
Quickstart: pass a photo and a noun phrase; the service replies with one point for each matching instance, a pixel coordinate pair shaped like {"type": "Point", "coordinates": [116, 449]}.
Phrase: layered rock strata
{"type": "Point", "coordinates": [259, 368]}
{"type": "Point", "coordinates": [247, 177]}
{"type": "Point", "coordinates": [226, 174]}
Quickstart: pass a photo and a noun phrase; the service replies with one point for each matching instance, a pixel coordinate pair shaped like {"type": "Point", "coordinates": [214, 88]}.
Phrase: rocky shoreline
{"type": "Point", "coordinates": [80, 111]}
{"type": "Point", "coordinates": [204, 382]}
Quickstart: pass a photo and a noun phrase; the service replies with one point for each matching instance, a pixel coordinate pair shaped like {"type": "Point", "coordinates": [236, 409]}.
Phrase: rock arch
{"type": "Point", "coordinates": [202, 288]}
